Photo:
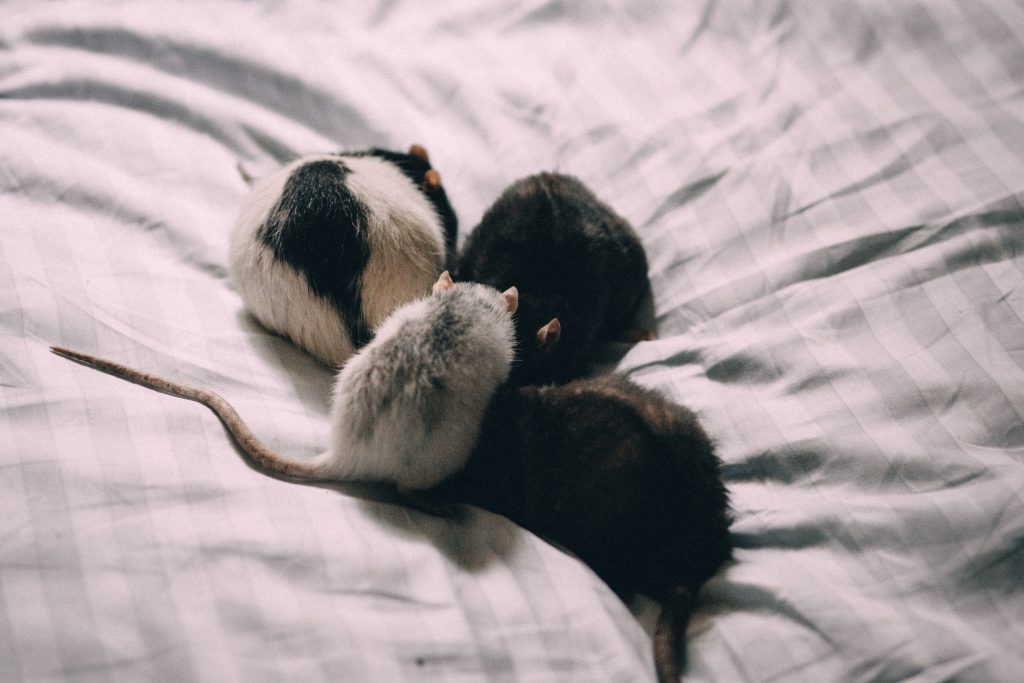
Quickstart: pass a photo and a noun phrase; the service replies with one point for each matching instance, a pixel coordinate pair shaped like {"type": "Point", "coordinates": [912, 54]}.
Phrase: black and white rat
{"type": "Point", "coordinates": [580, 269]}
{"type": "Point", "coordinates": [406, 409]}
{"type": "Point", "coordinates": [617, 474]}
{"type": "Point", "coordinates": [326, 247]}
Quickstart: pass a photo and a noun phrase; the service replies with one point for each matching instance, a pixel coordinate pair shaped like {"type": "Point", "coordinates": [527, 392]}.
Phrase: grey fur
{"type": "Point", "coordinates": [419, 390]}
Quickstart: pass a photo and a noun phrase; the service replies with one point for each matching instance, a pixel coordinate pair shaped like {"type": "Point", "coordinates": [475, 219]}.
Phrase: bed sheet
{"type": "Point", "coordinates": [830, 195]}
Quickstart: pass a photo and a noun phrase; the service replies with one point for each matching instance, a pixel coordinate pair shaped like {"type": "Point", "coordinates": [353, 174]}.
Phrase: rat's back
{"type": "Point", "coordinates": [409, 406]}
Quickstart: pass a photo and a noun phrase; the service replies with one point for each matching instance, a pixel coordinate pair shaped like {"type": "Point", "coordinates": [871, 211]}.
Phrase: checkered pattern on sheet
{"type": "Point", "coordinates": [831, 199]}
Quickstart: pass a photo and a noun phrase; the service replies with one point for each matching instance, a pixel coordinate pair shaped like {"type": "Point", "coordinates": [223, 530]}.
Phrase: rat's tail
{"type": "Point", "coordinates": [669, 648]}
{"type": "Point", "coordinates": [264, 459]}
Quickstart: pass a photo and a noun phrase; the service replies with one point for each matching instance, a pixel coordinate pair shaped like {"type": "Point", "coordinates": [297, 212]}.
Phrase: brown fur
{"type": "Point", "coordinates": [617, 474]}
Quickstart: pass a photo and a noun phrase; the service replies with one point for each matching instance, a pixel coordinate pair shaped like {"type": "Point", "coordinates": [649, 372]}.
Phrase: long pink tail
{"type": "Point", "coordinates": [264, 459]}
{"type": "Point", "coordinates": [669, 648]}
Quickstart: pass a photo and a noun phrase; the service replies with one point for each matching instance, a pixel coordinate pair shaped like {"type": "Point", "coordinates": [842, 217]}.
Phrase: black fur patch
{"type": "Point", "coordinates": [319, 228]}
{"type": "Point", "coordinates": [572, 257]}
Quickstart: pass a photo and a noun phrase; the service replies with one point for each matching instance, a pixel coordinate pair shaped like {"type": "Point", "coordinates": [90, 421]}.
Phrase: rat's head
{"type": "Point", "coordinates": [543, 354]}
{"type": "Point", "coordinates": [415, 164]}
{"type": "Point", "coordinates": [480, 318]}
{"type": "Point", "coordinates": [544, 339]}
{"type": "Point", "coordinates": [504, 303]}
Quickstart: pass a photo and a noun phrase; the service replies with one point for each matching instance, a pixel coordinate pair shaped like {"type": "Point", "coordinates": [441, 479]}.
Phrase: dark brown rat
{"type": "Point", "coordinates": [618, 475]}
{"type": "Point", "coordinates": [580, 269]}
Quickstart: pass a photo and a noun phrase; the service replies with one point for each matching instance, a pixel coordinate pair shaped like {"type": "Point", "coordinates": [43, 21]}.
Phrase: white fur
{"type": "Point", "coordinates": [406, 237]}
{"type": "Point", "coordinates": [389, 421]}
{"type": "Point", "coordinates": [406, 242]}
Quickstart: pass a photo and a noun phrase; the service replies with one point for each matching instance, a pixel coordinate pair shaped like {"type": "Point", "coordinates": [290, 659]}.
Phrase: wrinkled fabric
{"type": "Point", "coordinates": [830, 195]}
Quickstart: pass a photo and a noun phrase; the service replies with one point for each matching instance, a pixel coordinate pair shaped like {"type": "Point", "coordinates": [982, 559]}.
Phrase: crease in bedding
{"type": "Point", "coordinates": [832, 200]}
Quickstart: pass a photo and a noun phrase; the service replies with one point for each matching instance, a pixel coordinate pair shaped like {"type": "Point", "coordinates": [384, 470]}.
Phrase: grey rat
{"type": "Point", "coordinates": [580, 269]}
{"type": "Point", "coordinates": [622, 477]}
{"type": "Point", "coordinates": [326, 247]}
{"type": "Point", "coordinates": [406, 409]}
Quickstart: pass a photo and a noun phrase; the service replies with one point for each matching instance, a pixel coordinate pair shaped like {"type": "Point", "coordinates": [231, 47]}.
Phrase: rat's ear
{"type": "Point", "coordinates": [443, 284]}
{"type": "Point", "coordinates": [548, 335]}
{"type": "Point", "coordinates": [431, 180]}
{"type": "Point", "coordinates": [420, 152]}
{"type": "Point", "coordinates": [511, 296]}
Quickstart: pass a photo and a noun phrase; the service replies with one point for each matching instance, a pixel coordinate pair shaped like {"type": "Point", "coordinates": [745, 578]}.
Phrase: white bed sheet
{"type": "Point", "coordinates": [831, 200]}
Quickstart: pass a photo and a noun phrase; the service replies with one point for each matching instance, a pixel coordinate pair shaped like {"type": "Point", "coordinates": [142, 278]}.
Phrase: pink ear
{"type": "Point", "coordinates": [431, 180]}
{"type": "Point", "coordinates": [419, 151]}
{"type": "Point", "coordinates": [548, 335]}
{"type": "Point", "coordinates": [443, 284]}
{"type": "Point", "coordinates": [511, 296]}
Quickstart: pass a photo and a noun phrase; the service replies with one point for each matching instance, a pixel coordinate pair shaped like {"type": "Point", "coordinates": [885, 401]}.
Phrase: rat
{"type": "Point", "coordinates": [326, 247]}
{"type": "Point", "coordinates": [625, 479]}
{"type": "Point", "coordinates": [580, 269]}
{"type": "Point", "coordinates": [406, 409]}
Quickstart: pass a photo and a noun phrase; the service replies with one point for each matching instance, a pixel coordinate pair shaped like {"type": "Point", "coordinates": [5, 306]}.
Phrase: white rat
{"type": "Point", "coordinates": [324, 249]}
{"type": "Point", "coordinates": [406, 409]}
